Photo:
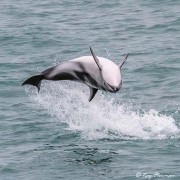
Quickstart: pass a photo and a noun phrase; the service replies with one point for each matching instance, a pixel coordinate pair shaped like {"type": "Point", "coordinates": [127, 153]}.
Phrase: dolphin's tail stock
{"type": "Point", "coordinates": [35, 81]}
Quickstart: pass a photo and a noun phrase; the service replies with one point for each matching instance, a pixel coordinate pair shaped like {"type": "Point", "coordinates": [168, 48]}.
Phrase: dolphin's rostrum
{"type": "Point", "coordinates": [96, 72]}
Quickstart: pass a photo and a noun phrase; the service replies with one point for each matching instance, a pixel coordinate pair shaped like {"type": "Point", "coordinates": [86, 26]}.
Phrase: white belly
{"type": "Point", "coordinates": [110, 70]}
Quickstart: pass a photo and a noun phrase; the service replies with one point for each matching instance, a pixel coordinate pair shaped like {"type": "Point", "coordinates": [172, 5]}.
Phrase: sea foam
{"type": "Point", "coordinates": [101, 118]}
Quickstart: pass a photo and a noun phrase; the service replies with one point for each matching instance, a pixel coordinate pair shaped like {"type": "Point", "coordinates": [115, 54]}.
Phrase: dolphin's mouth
{"type": "Point", "coordinates": [113, 89]}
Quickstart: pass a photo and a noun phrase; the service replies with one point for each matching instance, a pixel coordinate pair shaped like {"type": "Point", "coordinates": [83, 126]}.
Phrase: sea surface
{"type": "Point", "coordinates": [58, 134]}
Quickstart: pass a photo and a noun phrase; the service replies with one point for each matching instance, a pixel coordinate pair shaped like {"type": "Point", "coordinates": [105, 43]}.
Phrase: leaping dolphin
{"type": "Point", "coordinates": [97, 73]}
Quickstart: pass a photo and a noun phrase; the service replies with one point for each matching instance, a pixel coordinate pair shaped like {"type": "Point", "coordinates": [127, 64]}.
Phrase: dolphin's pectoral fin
{"type": "Point", "coordinates": [123, 61]}
{"type": "Point", "coordinates": [96, 59]}
{"type": "Point", "coordinates": [93, 92]}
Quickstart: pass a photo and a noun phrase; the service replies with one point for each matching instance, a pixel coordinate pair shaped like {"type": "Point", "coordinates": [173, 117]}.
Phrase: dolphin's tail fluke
{"type": "Point", "coordinates": [35, 81]}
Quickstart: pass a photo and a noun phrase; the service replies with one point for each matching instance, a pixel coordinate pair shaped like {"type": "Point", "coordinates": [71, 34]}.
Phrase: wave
{"type": "Point", "coordinates": [103, 118]}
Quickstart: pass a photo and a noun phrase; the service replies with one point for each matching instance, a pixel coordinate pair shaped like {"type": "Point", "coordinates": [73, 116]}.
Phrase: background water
{"type": "Point", "coordinates": [58, 134]}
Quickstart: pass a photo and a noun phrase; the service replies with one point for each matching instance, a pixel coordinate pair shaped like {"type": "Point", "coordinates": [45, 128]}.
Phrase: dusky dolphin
{"type": "Point", "coordinates": [97, 73]}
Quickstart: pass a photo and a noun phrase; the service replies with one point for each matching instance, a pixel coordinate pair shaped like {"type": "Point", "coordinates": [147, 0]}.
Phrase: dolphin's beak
{"type": "Point", "coordinates": [114, 89]}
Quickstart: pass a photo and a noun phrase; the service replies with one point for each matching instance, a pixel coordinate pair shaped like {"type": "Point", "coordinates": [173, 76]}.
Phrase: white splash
{"type": "Point", "coordinates": [101, 118]}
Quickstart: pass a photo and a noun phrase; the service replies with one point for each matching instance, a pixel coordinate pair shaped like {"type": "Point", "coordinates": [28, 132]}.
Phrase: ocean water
{"type": "Point", "coordinates": [58, 134]}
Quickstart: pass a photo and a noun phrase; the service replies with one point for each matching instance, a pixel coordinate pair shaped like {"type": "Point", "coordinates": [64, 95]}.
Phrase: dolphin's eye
{"type": "Point", "coordinates": [105, 83]}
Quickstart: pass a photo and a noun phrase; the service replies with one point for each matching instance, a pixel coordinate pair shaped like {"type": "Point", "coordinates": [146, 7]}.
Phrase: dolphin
{"type": "Point", "coordinates": [97, 73]}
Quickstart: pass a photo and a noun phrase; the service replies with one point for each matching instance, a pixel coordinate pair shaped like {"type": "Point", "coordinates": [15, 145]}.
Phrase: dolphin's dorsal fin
{"type": "Point", "coordinates": [93, 92]}
{"type": "Point", "coordinates": [123, 61]}
{"type": "Point", "coordinates": [96, 59]}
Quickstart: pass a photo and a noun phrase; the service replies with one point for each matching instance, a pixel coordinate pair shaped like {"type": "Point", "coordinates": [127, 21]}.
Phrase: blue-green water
{"type": "Point", "coordinates": [58, 134]}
